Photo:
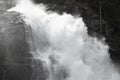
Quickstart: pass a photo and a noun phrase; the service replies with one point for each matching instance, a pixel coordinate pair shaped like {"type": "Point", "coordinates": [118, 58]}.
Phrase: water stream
{"type": "Point", "coordinates": [62, 43]}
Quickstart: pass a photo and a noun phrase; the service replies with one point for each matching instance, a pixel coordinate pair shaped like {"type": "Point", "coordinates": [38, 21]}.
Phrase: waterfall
{"type": "Point", "coordinates": [63, 44]}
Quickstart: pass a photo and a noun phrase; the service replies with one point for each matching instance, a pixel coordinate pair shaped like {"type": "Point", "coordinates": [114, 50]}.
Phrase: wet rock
{"type": "Point", "coordinates": [15, 59]}
{"type": "Point", "coordinates": [14, 50]}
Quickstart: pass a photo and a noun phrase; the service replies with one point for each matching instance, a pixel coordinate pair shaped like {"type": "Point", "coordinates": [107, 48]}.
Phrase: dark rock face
{"type": "Point", "coordinates": [6, 4]}
{"type": "Point", "coordinates": [14, 50]}
{"type": "Point", "coordinates": [16, 62]}
{"type": "Point", "coordinates": [102, 18]}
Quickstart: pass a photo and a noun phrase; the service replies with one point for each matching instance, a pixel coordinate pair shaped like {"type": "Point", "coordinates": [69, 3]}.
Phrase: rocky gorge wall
{"type": "Point", "coordinates": [16, 62]}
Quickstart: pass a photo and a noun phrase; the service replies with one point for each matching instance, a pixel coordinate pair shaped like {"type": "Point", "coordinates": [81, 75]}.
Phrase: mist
{"type": "Point", "coordinates": [64, 46]}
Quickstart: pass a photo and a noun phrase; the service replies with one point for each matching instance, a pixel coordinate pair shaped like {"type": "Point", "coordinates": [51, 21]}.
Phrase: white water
{"type": "Point", "coordinates": [62, 42]}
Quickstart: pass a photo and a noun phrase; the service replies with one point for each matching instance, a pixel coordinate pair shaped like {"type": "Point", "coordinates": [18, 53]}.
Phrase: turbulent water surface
{"type": "Point", "coordinates": [62, 43]}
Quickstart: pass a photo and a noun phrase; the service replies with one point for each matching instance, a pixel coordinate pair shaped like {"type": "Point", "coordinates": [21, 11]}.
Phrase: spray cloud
{"type": "Point", "coordinates": [62, 42]}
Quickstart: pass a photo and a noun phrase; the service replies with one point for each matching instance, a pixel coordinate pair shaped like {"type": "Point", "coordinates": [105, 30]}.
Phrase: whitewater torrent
{"type": "Point", "coordinates": [62, 42]}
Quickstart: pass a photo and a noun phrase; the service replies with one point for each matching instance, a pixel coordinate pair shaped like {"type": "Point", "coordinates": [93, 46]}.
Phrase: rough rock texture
{"type": "Point", "coordinates": [16, 62]}
{"type": "Point", "coordinates": [14, 57]}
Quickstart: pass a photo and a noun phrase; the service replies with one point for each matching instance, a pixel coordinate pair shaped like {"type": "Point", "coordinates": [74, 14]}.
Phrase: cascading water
{"type": "Point", "coordinates": [62, 42]}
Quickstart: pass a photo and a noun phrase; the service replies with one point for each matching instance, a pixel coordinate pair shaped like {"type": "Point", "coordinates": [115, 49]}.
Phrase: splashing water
{"type": "Point", "coordinates": [62, 42]}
